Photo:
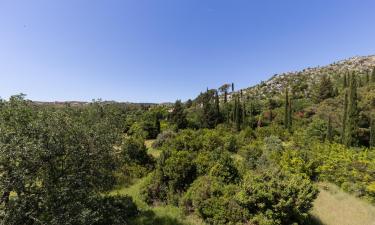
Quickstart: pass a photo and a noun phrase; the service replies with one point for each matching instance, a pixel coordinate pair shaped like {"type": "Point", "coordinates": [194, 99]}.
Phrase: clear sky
{"type": "Point", "coordinates": [163, 50]}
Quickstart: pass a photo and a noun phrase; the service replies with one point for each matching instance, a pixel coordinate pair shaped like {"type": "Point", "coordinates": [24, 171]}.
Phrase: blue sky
{"type": "Point", "coordinates": [163, 50]}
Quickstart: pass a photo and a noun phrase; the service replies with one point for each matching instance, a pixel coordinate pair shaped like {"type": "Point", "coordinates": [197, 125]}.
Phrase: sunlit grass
{"type": "Point", "coordinates": [335, 207]}
{"type": "Point", "coordinates": [160, 214]}
{"type": "Point", "coordinates": [153, 152]}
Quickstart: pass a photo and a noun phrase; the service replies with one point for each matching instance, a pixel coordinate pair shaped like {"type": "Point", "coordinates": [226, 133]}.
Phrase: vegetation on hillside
{"type": "Point", "coordinates": [252, 156]}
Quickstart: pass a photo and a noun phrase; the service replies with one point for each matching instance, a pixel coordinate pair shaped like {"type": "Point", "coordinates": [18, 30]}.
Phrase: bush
{"type": "Point", "coordinates": [134, 150]}
{"type": "Point", "coordinates": [114, 210]}
{"type": "Point", "coordinates": [175, 172]}
{"type": "Point", "coordinates": [251, 153]}
{"type": "Point", "coordinates": [279, 196]}
{"type": "Point", "coordinates": [212, 200]}
{"type": "Point", "coordinates": [225, 170]}
{"type": "Point", "coordinates": [162, 138]}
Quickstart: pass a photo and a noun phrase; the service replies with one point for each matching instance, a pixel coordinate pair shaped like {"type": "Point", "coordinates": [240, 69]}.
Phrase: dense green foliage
{"type": "Point", "coordinates": [246, 157]}
{"type": "Point", "coordinates": [55, 163]}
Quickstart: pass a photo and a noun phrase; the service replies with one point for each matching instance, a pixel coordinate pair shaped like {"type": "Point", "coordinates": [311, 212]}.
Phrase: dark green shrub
{"type": "Point", "coordinates": [212, 200]}
{"type": "Point", "coordinates": [279, 196]}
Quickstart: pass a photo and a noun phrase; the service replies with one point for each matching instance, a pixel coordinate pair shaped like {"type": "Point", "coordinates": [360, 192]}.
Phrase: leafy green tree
{"type": "Point", "coordinates": [134, 150]}
{"type": "Point", "coordinates": [317, 129]}
{"type": "Point", "coordinates": [56, 164]}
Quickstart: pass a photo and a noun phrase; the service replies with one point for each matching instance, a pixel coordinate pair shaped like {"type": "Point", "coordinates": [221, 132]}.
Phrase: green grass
{"type": "Point", "coordinates": [335, 207]}
{"type": "Point", "coordinates": [153, 152]}
{"type": "Point", "coordinates": [160, 214]}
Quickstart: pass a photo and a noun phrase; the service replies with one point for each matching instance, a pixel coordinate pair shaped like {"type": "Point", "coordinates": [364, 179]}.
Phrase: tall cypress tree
{"type": "Point", "coordinates": [210, 114]}
{"type": "Point", "coordinates": [345, 81]}
{"type": "Point", "coordinates": [244, 113]}
{"type": "Point", "coordinates": [250, 115]}
{"type": "Point", "coordinates": [217, 103]}
{"type": "Point", "coordinates": [290, 113]}
{"type": "Point", "coordinates": [352, 118]}
{"type": "Point", "coordinates": [329, 130]}
{"type": "Point", "coordinates": [232, 87]}
{"type": "Point", "coordinates": [344, 118]}
{"type": "Point", "coordinates": [372, 133]}
{"type": "Point", "coordinates": [157, 125]}
{"type": "Point", "coordinates": [238, 115]}
{"type": "Point", "coordinates": [217, 108]}
{"type": "Point", "coordinates": [367, 77]}
{"type": "Point", "coordinates": [373, 75]}
{"type": "Point", "coordinates": [286, 109]}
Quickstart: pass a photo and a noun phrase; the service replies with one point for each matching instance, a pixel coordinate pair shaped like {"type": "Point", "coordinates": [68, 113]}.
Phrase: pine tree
{"type": "Point", "coordinates": [344, 118]}
{"type": "Point", "coordinates": [372, 134]}
{"type": "Point", "coordinates": [352, 117]}
{"type": "Point", "coordinates": [329, 130]}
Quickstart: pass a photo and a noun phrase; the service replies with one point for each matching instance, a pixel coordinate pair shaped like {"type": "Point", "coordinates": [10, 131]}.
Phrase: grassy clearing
{"type": "Point", "coordinates": [335, 207]}
{"type": "Point", "coordinates": [153, 152]}
{"type": "Point", "coordinates": [161, 214]}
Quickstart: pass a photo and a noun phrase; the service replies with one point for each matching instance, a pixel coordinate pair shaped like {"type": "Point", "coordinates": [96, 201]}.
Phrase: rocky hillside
{"type": "Point", "coordinates": [302, 82]}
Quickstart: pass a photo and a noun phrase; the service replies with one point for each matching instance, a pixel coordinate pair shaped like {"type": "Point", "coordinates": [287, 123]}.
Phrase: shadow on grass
{"type": "Point", "coordinates": [149, 218]}
{"type": "Point", "coordinates": [313, 220]}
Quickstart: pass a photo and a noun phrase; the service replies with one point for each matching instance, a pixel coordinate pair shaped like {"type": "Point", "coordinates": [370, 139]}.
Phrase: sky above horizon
{"type": "Point", "coordinates": [163, 50]}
